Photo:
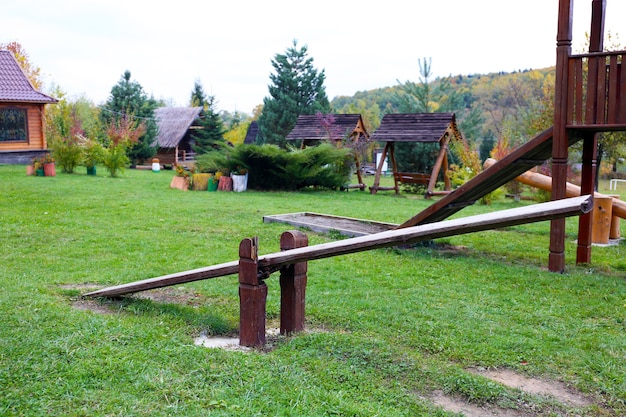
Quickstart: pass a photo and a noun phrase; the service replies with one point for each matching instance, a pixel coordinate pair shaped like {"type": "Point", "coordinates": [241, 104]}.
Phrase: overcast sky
{"type": "Point", "coordinates": [85, 46]}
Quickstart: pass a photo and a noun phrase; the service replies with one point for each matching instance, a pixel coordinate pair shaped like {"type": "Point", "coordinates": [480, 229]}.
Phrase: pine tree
{"type": "Point", "coordinates": [296, 88]}
{"type": "Point", "coordinates": [128, 99]}
{"type": "Point", "coordinates": [198, 97]}
{"type": "Point", "coordinates": [211, 135]}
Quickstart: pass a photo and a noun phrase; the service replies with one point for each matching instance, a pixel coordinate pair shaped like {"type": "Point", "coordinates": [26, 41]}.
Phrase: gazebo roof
{"type": "Point", "coordinates": [331, 126]}
{"type": "Point", "coordinates": [416, 127]}
{"type": "Point", "coordinates": [251, 134]}
{"type": "Point", "coordinates": [173, 123]}
{"type": "Point", "coordinates": [14, 84]}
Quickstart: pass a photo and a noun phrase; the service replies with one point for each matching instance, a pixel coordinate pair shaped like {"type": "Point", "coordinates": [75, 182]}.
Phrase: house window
{"type": "Point", "coordinates": [13, 125]}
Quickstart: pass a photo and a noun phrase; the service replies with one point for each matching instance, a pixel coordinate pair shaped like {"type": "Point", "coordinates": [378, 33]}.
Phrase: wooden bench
{"type": "Point", "coordinates": [411, 178]}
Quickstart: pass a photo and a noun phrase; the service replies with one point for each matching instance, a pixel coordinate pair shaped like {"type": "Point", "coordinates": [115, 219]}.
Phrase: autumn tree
{"type": "Point", "coordinates": [129, 104]}
{"type": "Point", "coordinates": [296, 88]}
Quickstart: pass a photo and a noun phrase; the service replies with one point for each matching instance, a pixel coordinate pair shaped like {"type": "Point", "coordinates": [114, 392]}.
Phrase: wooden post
{"type": "Point", "coordinates": [252, 296]}
{"type": "Point", "coordinates": [441, 157]}
{"type": "Point", "coordinates": [586, 222]}
{"type": "Point", "coordinates": [556, 260]}
{"type": "Point", "coordinates": [293, 280]}
{"type": "Point", "coordinates": [379, 170]}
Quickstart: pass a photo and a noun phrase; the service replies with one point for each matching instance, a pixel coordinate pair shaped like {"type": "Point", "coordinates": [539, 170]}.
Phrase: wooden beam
{"type": "Point", "coordinates": [273, 262]}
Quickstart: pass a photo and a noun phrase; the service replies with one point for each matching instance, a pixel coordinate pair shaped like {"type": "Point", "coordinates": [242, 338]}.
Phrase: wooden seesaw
{"type": "Point", "coordinates": [294, 255]}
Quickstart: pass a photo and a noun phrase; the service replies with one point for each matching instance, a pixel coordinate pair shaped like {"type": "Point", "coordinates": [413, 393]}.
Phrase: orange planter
{"type": "Point", "coordinates": [49, 170]}
{"type": "Point", "coordinates": [182, 183]}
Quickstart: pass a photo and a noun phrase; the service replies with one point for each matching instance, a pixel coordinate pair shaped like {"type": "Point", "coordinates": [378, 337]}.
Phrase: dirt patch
{"type": "Point", "coordinates": [173, 295]}
{"type": "Point", "coordinates": [94, 306]}
{"type": "Point", "coordinates": [556, 389]}
{"type": "Point", "coordinates": [169, 295]}
{"type": "Point", "coordinates": [457, 405]}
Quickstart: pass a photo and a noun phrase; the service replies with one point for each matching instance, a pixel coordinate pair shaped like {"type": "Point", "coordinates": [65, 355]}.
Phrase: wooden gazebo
{"type": "Point", "coordinates": [337, 128]}
{"type": "Point", "coordinates": [415, 127]}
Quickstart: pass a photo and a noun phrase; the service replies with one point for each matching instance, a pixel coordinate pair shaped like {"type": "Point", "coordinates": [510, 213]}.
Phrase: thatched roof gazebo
{"type": "Point", "coordinates": [174, 140]}
{"type": "Point", "coordinates": [416, 127]}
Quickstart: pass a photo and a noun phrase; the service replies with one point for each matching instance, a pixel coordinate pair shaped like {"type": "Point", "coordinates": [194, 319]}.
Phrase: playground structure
{"type": "Point", "coordinates": [590, 98]}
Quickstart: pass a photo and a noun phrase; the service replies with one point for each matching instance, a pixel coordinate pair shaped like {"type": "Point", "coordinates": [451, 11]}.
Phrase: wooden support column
{"type": "Point", "coordinates": [379, 170]}
{"type": "Point", "coordinates": [590, 140]}
{"type": "Point", "coordinates": [252, 296]}
{"type": "Point", "coordinates": [556, 260]}
{"type": "Point", "coordinates": [293, 279]}
{"type": "Point", "coordinates": [394, 165]}
{"type": "Point", "coordinates": [439, 162]}
{"type": "Point", "coordinates": [587, 187]}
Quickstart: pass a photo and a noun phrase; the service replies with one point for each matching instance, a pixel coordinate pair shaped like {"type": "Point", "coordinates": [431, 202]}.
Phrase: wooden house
{"type": "Point", "coordinates": [22, 107]}
{"type": "Point", "coordinates": [436, 128]}
{"type": "Point", "coordinates": [338, 128]}
{"type": "Point", "coordinates": [174, 141]}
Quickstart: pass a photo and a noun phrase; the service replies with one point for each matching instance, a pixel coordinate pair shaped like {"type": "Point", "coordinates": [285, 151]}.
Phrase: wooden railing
{"type": "Point", "coordinates": [597, 91]}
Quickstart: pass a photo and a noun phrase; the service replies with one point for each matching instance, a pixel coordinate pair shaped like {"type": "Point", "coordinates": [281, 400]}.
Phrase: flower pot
{"type": "Point", "coordinates": [225, 184]}
{"type": "Point", "coordinates": [200, 181]}
{"type": "Point", "coordinates": [156, 167]}
{"type": "Point", "coordinates": [212, 186]}
{"type": "Point", "coordinates": [91, 170]}
{"type": "Point", "coordinates": [30, 170]}
{"type": "Point", "coordinates": [182, 183]}
{"type": "Point", "coordinates": [49, 170]}
{"type": "Point", "coordinates": [40, 172]}
{"type": "Point", "coordinates": [240, 182]}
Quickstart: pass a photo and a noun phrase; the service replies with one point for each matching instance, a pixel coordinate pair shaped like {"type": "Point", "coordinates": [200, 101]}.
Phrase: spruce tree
{"type": "Point", "coordinates": [211, 135]}
{"type": "Point", "coordinates": [296, 88]}
{"type": "Point", "coordinates": [128, 99]}
{"type": "Point", "coordinates": [198, 97]}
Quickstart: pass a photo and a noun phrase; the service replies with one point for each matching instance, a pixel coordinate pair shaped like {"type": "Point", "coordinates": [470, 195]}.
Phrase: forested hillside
{"type": "Point", "coordinates": [507, 104]}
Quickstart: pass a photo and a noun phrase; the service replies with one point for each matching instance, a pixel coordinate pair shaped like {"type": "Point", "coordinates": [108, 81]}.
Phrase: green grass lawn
{"type": "Point", "coordinates": [386, 328]}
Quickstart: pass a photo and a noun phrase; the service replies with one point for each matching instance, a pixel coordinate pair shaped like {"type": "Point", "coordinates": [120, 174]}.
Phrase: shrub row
{"type": "Point", "coordinates": [273, 168]}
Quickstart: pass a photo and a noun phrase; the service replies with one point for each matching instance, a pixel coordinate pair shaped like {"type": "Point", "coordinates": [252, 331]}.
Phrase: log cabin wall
{"type": "Point", "coordinates": [34, 125]}
{"type": "Point", "coordinates": [22, 152]}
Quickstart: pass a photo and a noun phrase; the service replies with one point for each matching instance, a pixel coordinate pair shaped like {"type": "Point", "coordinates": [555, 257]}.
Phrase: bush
{"type": "Point", "coordinates": [92, 153]}
{"type": "Point", "coordinates": [273, 168]}
{"type": "Point", "coordinates": [67, 153]}
{"type": "Point", "coordinates": [115, 159]}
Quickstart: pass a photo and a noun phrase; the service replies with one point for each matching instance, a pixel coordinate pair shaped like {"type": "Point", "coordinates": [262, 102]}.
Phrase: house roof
{"type": "Point", "coordinates": [14, 84]}
{"type": "Point", "coordinates": [332, 126]}
{"type": "Point", "coordinates": [416, 127]}
{"type": "Point", "coordinates": [173, 123]}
